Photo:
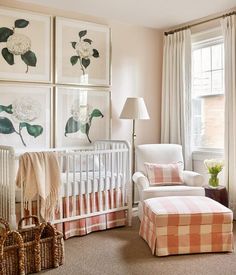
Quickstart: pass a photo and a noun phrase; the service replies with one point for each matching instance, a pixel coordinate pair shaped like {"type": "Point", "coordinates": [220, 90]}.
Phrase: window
{"type": "Point", "coordinates": [208, 94]}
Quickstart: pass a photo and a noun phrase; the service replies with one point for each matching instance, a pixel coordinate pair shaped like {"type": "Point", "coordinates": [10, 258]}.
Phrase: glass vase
{"type": "Point", "coordinates": [213, 180]}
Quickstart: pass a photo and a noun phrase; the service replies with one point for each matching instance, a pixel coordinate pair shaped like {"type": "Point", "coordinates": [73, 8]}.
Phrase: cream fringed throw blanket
{"type": "Point", "coordinates": [39, 174]}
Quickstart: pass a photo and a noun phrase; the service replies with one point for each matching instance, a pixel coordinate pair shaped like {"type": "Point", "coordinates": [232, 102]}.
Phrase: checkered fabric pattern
{"type": "Point", "coordinates": [159, 174]}
{"type": "Point", "coordinates": [86, 225]}
{"type": "Point", "coordinates": [188, 224]}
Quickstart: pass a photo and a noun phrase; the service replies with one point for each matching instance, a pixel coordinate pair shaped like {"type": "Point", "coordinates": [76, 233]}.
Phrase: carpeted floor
{"type": "Point", "coordinates": [122, 252]}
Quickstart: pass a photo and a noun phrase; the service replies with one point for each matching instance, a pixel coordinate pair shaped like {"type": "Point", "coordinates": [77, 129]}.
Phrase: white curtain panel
{"type": "Point", "coordinates": [176, 92]}
{"type": "Point", "coordinates": [229, 32]}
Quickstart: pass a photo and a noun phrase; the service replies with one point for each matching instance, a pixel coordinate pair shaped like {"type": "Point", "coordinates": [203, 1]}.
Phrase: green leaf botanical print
{"type": "Point", "coordinates": [88, 40]}
{"type": "Point", "coordinates": [33, 130]}
{"type": "Point", "coordinates": [74, 59]}
{"type": "Point", "coordinates": [5, 33]}
{"type": "Point", "coordinates": [22, 110]}
{"type": "Point", "coordinates": [6, 126]}
{"type": "Point", "coordinates": [73, 44]}
{"type": "Point", "coordinates": [72, 126]}
{"type": "Point", "coordinates": [21, 23]}
{"type": "Point", "coordinates": [7, 109]}
{"type": "Point", "coordinates": [95, 53]}
{"type": "Point", "coordinates": [96, 113]}
{"type": "Point", "coordinates": [85, 62]}
{"type": "Point", "coordinates": [84, 51]}
{"type": "Point", "coordinates": [81, 120]}
{"type": "Point", "coordinates": [85, 130]}
{"type": "Point", "coordinates": [17, 44]}
{"type": "Point", "coordinates": [9, 57]}
{"type": "Point", "coordinates": [82, 33]}
{"type": "Point", "coordinates": [29, 58]}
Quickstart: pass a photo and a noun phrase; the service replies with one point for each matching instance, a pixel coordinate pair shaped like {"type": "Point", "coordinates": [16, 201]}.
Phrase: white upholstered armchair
{"type": "Point", "coordinates": [164, 154]}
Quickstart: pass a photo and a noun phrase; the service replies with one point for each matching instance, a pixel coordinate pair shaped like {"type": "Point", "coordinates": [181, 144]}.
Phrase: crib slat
{"type": "Point", "coordinates": [80, 188]}
{"type": "Point", "coordinates": [111, 182]}
{"type": "Point", "coordinates": [67, 187]}
{"type": "Point", "coordinates": [118, 180]}
{"type": "Point", "coordinates": [124, 161]}
{"type": "Point", "coordinates": [73, 186]}
{"type": "Point", "coordinates": [93, 187]}
{"type": "Point", "coordinates": [99, 184]}
{"type": "Point", "coordinates": [106, 181]}
{"type": "Point", "coordinates": [87, 186]}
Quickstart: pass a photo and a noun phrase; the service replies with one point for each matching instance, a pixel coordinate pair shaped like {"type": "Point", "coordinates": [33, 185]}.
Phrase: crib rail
{"type": "Point", "coordinates": [7, 184]}
{"type": "Point", "coordinates": [93, 182]}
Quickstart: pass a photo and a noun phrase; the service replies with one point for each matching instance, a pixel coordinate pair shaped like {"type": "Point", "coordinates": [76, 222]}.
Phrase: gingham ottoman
{"type": "Point", "coordinates": [187, 224]}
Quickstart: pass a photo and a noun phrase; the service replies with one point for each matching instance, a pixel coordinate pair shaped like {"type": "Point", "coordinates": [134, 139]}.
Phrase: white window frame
{"type": "Point", "coordinates": [208, 38]}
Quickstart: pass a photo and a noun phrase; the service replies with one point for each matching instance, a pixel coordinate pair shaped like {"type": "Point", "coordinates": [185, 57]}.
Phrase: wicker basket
{"type": "Point", "coordinates": [11, 251]}
{"type": "Point", "coordinates": [44, 246]}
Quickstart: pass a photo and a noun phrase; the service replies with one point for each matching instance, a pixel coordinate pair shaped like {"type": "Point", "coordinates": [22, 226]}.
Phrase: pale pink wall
{"type": "Point", "coordinates": [136, 70]}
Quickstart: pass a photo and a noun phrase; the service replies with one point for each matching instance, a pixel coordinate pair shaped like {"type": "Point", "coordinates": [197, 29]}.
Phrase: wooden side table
{"type": "Point", "coordinates": [219, 194]}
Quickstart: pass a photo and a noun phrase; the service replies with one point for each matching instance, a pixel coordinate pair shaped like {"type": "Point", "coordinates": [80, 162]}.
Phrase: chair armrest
{"type": "Point", "coordinates": [192, 178]}
{"type": "Point", "coordinates": [141, 182]}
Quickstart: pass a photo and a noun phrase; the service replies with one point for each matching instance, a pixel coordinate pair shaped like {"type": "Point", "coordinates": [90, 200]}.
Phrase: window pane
{"type": "Point", "coordinates": [217, 82]}
{"type": "Point", "coordinates": [202, 84]}
{"type": "Point", "coordinates": [206, 59]}
{"type": "Point", "coordinates": [208, 96]}
{"type": "Point", "coordinates": [217, 57]}
{"type": "Point", "coordinates": [197, 61]}
{"type": "Point", "coordinates": [213, 122]}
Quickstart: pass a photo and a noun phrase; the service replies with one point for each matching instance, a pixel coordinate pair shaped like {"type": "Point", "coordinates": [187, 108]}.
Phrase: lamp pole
{"type": "Point", "coordinates": [133, 157]}
{"type": "Point", "coordinates": [134, 108]}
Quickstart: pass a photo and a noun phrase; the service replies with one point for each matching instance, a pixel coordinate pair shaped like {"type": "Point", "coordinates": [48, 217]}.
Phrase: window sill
{"type": "Point", "coordinates": [202, 154]}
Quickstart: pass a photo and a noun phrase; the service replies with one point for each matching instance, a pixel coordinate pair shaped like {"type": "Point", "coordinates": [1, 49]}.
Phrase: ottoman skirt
{"type": "Point", "coordinates": [188, 224]}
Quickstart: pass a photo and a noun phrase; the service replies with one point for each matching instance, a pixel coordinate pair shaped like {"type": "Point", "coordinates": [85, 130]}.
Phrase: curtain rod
{"type": "Point", "coordinates": [199, 23]}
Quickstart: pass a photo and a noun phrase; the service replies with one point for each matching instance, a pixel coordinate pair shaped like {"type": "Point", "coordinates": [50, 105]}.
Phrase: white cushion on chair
{"type": "Point", "coordinates": [192, 178]}
{"type": "Point", "coordinates": [159, 154]}
{"type": "Point", "coordinates": [165, 191]}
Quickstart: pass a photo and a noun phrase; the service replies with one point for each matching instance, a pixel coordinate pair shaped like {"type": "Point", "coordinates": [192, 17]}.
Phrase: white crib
{"type": "Point", "coordinates": [95, 183]}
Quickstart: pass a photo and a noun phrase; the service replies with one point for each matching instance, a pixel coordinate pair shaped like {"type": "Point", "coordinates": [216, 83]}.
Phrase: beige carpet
{"type": "Point", "coordinates": [122, 252]}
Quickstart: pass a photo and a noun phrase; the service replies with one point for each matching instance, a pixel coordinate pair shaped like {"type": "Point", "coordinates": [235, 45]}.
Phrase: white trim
{"type": "Point", "coordinates": [206, 35]}
{"type": "Point", "coordinates": [204, 154]}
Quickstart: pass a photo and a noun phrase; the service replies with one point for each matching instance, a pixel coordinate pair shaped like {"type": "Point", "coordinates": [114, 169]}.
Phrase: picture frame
{"type": "Point", "coordinates": [25, 116]}
{"type": "Point", "coordinates": [82, 116]}
{"type": "Point", "coordinates": [25, 46]}
{"type": "Point", "coordinates": [82, 53]}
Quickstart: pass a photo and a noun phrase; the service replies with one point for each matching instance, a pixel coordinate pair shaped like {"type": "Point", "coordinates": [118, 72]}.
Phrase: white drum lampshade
{"type": "Point", "coordinates": [134, 108]}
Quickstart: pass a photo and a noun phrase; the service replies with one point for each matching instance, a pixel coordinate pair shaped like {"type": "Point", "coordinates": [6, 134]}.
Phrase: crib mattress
{"type": "Point", "coordinates": [91, 182]}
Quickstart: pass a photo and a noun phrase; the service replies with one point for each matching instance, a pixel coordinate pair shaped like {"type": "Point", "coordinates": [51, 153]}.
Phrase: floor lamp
{"type": "Point", "coordinates": [135, 109]}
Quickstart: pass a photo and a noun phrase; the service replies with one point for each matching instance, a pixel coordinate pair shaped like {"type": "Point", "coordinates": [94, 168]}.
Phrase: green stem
{"type": "Point", "coordinates": [213, 180]}
{"type": "Point", "coordinates": [27, 69]}
{"type": "Point", "coordinates": [81, 65]}
{"type": "Point", "coordinates": [88, 138]}
{"type": "Point", "coordinates": [19, 133]}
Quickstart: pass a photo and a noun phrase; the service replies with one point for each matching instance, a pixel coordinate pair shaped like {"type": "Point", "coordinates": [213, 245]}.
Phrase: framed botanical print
{"type": "Point", "coordinates": [25, 46]}
{"type": "Point", "coordinates": [82, 53]}
{"type": "Point", "coordinates": [25, 116]}
{"type": "Point", "coordinates": [82, 116]}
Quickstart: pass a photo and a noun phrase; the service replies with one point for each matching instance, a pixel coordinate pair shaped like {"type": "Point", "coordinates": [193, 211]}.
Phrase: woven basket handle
{"type": "Point", "coordinates": [5, 223]}
{"type": "Point", "coordinates": [21, 254]}
{"type": "Point", "coordinates": [35, 221]}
